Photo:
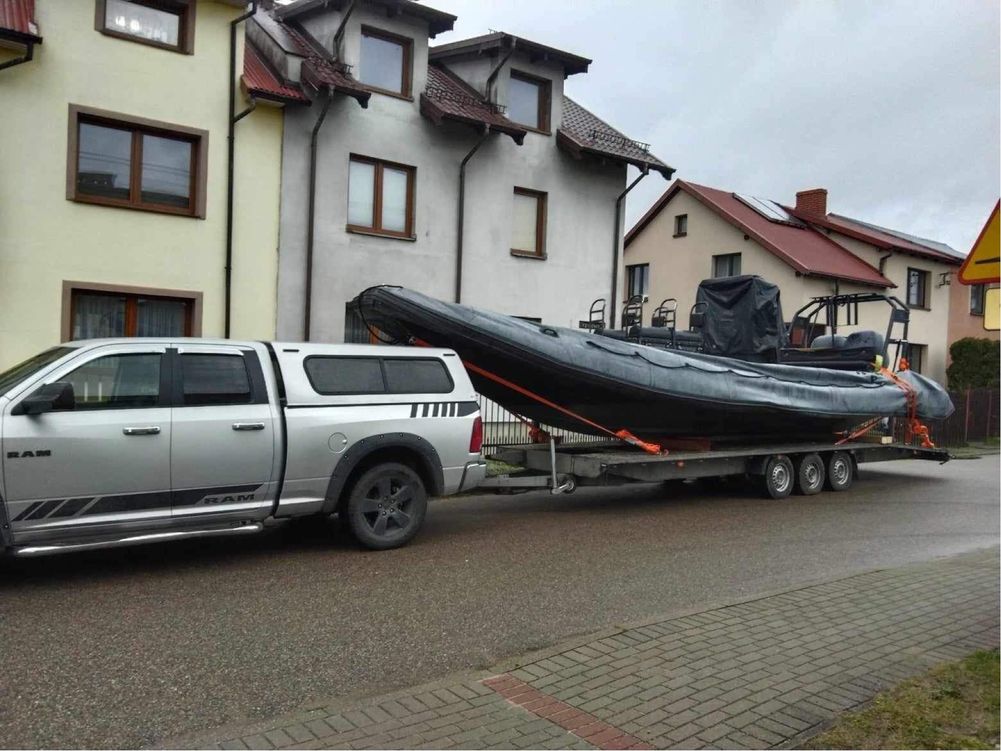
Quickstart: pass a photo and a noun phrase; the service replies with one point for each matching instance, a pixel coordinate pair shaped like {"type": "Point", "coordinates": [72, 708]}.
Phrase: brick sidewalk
{"type": "Point", "coordinates": [757, 674]}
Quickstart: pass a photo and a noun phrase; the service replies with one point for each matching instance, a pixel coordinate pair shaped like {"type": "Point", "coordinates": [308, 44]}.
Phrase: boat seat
{"type": "Point", "coordinates": [871, 340]}
{"type": "Point", "coordinates": [829, 341]}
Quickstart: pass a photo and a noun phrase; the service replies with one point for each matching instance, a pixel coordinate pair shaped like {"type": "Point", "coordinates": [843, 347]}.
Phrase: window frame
{"type": "Point", "coordinates": [138, 126]}
{"type": "Point", "coordinates": [545, 101]}
{"type": "Point", "coordinates": [164, 389]}
{"type": "Point", "coordinates": [680, 219]}
{"type": "Point", "coordinates": [185, 29]}
{"type": "Point", "coordinates": [541, 219]}
{"type": "Point", "coordinates": [925, 277]}
{"type": "Point", "coordinates": [974, 289]}
{"type": "Point", "coordinates": [718, 257]}
{"type": "Point", "coordinates": [193, 324]}
{"type": "Point", "coordinates": [630, 272]}
{"type": "Point", "coordinates": [406, 78]}
{"type": "Point", "coordinates": [922, 358]}
{"type": "Point", "coordinates": [376, 228]}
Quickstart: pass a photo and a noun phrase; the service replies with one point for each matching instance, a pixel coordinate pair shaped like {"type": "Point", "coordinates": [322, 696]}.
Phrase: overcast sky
{"type": "Point", "coordinates": [893, 106]}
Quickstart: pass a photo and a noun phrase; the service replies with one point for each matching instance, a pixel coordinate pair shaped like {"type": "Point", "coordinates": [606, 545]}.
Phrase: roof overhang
{"type": "Point", "coordinates": [498, 41]}
{"type": "Point", "coordinates": [436, 114]}
{"type": "Point", "coordinates": [579, 150]}
{"type": "Point", "coordinates": [438, 21]}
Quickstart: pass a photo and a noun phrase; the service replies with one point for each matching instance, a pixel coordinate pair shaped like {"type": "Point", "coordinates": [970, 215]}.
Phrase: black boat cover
{"type": "Point", "coordinates": [743, 316]}
{"type": "Point", "coordinates": [649, 391]}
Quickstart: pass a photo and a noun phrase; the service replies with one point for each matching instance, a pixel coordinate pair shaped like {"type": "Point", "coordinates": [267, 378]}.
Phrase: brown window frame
{"type": "Point", "coordinates": [71, 289]}
{"type": "Point", "coordinates": [680, 219]}
{"type": "Point", "coordinates": [926, 278]}
{"type": "Point", "coordinates": [978, 299]}
{"type": "Point", "coordinates": [184, 9]}
{"type": "Point", "coordinates": [545, 101]}
{"type": "Point", "coordinates": [138, 126]}
{"type": "Point", "coordinates": [376, 228]}
{"type": "Point", "coordinates": [541, 212]}
{"type": "Point", "coordinates": [408, 56]}
{"type": "Point", "coordinates": [719, 257]}
{"type": "Point", "coordinates": [921, 350]}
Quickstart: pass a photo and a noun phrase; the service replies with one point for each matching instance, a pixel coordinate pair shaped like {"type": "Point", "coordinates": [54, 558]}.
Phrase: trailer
{"type": "Point", "coordinates": [778, 468]}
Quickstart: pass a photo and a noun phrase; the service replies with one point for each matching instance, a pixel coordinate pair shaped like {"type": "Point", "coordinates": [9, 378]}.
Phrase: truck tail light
{"type": "Point", "coordinates": [476, 439]}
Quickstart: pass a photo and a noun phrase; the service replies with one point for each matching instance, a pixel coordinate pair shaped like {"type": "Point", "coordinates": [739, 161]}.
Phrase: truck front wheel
{"type": "Point", "coordinates": [386, 506]}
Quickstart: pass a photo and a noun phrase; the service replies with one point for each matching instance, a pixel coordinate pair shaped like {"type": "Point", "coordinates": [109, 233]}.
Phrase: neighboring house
{"type": "Point", "coordinates": [966, 312]}
{"type": "Point", "coordinates": [463, 170]}
{"type": "Point", "coordinates": [114, 188]}
{"type": "Point", "coordinates": [693, 232]}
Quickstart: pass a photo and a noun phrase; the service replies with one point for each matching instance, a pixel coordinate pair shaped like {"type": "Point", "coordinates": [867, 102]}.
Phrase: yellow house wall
{"type": "Point", "coordinates": [46, 239]}
{"type": "Point", "coordinates": [678, 264]}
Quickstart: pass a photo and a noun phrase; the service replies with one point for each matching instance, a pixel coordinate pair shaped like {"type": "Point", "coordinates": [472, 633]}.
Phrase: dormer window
{"type": "Point", "coordinates": [528, 100]}
{"type": "Point", "coordinates": [385, 62]}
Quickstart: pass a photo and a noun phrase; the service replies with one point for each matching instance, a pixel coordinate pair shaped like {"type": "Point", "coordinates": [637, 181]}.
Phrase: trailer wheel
{"type": "Point", "coordinates": [387, 506]}
{"type": "Point", "coordinates": [810, 474]}
{"type": "Point", "coordinates": [777, 481]}
{"type": "Point", "coordinates": [840, 471]}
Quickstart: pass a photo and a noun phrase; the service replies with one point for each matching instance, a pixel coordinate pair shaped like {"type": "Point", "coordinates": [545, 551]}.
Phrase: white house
{"type": "Point", "coordinates": [463, 170]}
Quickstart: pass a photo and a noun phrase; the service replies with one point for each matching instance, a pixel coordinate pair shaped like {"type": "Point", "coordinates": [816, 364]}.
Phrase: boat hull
{"type": "Point", "coordinates": [578, 381]}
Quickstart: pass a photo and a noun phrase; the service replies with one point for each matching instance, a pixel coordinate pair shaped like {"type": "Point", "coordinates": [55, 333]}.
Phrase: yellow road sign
{"type": "Point", "coordinates": [983, 265]}
{"type": "Point", "coordinates": [992, 309]}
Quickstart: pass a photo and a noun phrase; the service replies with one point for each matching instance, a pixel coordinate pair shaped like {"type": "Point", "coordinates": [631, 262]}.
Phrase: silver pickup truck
{"type": "Point", "coordinates": [122, 441]}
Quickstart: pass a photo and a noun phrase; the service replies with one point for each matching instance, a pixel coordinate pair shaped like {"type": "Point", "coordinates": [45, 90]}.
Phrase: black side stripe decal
{"type": "Point", "coordinates": [443, 409]}
{"type": "Point", "coordinates": [29, 510]}
{"type": "Point", "coordinates": [413, 410]}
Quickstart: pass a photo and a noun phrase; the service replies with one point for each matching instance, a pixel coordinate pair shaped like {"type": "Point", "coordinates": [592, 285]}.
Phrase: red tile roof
{"type": "Point", "coordinates": [448, 97]}
{"type": "Point", "coordinates": [501, 40]}
{"type": "Point", "coordinates": [870, 234]}
{"type": "Point", "coordinates": [807, 250]}
{"type": "Point", "coordinates": [262, 82]}
{"type": "Point", "coordinates": [17, 20]}
{"type": "Point", "coordinates": [584, 132]}
{"type": "Point", "coordinates": [318, 70]}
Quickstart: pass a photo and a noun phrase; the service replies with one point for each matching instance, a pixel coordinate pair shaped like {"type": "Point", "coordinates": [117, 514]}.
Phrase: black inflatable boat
{"type": "Point", "coordinates": [541, 372]}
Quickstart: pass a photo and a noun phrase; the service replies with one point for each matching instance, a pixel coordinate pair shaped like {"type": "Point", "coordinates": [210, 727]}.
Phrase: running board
{"type": "Point", "coordinates": [33, 550]}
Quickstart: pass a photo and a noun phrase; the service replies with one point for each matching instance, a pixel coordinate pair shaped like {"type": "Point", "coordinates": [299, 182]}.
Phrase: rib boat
{"type": "Point", "coordinates": [577, 380]}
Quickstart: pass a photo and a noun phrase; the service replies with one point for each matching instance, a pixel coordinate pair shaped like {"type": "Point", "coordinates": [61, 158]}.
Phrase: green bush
{"type": "Point", "coordinates": [975, 364]}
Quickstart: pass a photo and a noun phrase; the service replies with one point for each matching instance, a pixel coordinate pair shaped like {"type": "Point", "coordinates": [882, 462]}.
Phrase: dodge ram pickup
{"type": "Point", "coordinates": [113, 442]}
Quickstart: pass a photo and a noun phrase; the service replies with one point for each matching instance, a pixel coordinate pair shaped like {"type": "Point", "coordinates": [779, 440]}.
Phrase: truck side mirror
{"type": "Point", "coordinates": [47, 398]}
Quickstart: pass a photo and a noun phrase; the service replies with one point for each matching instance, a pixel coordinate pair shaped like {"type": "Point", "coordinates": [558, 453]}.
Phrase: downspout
{"type": "Point", "coordinates": [461, 215]}
{"type": "Point", "coordinates": [882, 262]}
{"type": "Point", "coordinates": [311, 212]}
{"type": "Point", "coordinates": [339, 34]}
{"type": "Point", "coordinates": [29, 53]}
{"type": "Point", "coordinates": [231, 157]}
{"type": "Point", "coordinates": [615, 247]}
{"type": "Point", "coordinates": [497, 70]}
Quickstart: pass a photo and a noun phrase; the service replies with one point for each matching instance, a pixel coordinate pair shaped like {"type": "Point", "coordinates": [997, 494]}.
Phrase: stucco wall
{"type": "Point", "coordinates": [677, 265]}
{"type": "Point", "coordinates": [581, 207]}
{"type": "Point", "coordinates": [961, 323]}
{"type": "Point", "coordinates": [47, 239]}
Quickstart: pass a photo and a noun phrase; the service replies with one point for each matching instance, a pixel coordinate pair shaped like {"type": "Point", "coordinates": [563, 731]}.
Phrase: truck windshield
{"type": "Point", "coordinates": [11, 378]}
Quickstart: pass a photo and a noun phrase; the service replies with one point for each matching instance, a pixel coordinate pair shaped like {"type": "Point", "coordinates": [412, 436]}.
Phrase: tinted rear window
{"type": "Point", "coordinates": [406, 376]}
{"type": "Point", "coordinates": [345, 375]}
{"type": "Point", "coordinates": [215, 379]}
{"type": "Point", "coordinates": [375, 375]}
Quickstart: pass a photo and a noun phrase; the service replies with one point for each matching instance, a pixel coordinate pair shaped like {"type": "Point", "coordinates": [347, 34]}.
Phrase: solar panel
{"type": "Point", "coordinates": [770, 210]}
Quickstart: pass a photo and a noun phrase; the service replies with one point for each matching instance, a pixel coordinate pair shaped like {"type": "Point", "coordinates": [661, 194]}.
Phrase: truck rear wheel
{"type": "Point", "coordinates": [810, 474]}
{"type": "Point", "coordinates": [840, 471]}
{"type": "Point", "coordinates": [777, 481]}
{"type": "Point", "coordinates": [386, 507]}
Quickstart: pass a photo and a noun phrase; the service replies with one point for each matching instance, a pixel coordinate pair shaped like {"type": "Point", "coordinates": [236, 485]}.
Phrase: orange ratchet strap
{"type": "Point", "coordinates": [622, 435]}
{"type": "Point", "coordinates": [913, 426]}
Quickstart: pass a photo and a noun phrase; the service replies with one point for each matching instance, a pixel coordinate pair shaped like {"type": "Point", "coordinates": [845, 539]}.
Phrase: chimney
{"type": "Point", "coordinates": [812, 202]}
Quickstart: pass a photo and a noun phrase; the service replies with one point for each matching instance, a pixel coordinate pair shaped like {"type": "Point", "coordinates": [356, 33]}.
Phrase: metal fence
{"type": "Point", "coordinates": [502, 428]}
{"type": "Point", "coordinates": [976, 418]}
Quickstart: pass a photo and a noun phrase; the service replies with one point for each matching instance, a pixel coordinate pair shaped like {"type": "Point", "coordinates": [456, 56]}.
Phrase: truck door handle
{"type": "Point", "coordinates": [150, 430]}
{"type": "Point", "coordinates": [248, 426]}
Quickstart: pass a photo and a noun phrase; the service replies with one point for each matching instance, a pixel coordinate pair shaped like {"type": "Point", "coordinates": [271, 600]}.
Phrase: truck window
{"type": "Point", "coordinates": [125, 381]}
{"type": "Point", "coordinates": [345, 375]}
{"type": "Point", "coordinates": [410, 376]}
{"type": "Point", "coordinates": [12, 377]}
{"type": "Point", "coordinates": [215, 379]}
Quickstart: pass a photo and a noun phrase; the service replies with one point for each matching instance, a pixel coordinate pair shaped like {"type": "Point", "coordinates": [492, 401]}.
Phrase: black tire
{"type": "Point", "coordinates": [840, 471]}
{"type": "Point", "coordinates": [810, 474]}
{"type": "Point", "coordinates": [386, 507]}
{"type": "Point", "coordinates": [778, 479]}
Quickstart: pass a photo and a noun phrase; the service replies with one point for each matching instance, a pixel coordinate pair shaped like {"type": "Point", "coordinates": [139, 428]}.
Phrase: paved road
{"type": "Point", "coordinates": [125, 648]}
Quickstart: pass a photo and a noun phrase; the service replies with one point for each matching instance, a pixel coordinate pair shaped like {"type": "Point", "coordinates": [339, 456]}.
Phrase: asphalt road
{"type": "Point", "coordinates": [125, 648]}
